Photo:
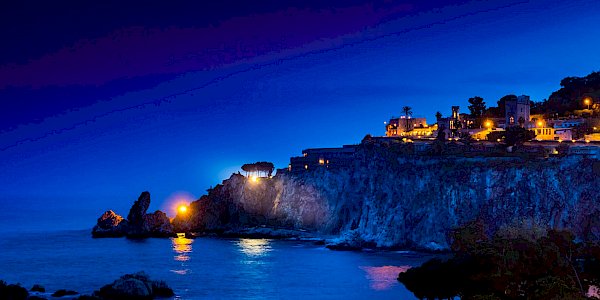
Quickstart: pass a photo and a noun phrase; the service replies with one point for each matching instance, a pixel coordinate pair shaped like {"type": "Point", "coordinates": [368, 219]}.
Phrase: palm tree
{"type": "Point", "coordinates": [407, 110]}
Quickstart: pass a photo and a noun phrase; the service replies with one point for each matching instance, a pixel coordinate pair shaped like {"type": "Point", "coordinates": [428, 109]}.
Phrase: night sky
{"type": "Point", "coordinates": [99, 102]}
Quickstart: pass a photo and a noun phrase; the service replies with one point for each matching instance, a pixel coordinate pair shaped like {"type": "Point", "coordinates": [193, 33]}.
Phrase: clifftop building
{"type": "Point", "coordinates": [517, 112]}
{"type": "Point", "coordinates": [408, 127]}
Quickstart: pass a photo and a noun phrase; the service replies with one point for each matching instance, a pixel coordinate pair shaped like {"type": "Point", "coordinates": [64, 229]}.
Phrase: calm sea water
{"type": "Point", "coordinates": [205, 268]}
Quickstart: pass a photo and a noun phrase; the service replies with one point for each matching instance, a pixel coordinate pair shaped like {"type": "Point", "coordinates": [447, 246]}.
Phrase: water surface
{"type": "Point", "coordinates": [205, 267]}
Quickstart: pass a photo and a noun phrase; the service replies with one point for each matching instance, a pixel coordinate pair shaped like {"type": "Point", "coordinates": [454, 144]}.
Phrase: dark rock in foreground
{"type": "Point", "coordinates": [61, 293]}
{"type": "Point", "coordinates": [139, 224]}
{"type": "Point", "coordinates": [134, 286]}
{"type": "Point", "coordinates": [38, 288]}
{"type": "Point", "coordinates": [12, 291]}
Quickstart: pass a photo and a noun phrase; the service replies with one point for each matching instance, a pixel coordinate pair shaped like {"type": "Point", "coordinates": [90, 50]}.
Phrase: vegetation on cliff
{"type": "Point", "coordinates": [517, 262]}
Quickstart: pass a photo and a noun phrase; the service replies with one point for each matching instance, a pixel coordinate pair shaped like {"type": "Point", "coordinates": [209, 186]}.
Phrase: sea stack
{"type": "Point", "coordinates": [138, 224]}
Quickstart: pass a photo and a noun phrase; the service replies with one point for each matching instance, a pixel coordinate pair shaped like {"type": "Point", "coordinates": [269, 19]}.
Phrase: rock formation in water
{"type": "Point", "coordinates": [110, 224]}
{"type": "Point", "coordinates": [389, 199]}
{"type": "Point", "coordinates": [138, 223]}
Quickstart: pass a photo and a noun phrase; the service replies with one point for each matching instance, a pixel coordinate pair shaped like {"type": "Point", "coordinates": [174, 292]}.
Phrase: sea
{"type": "Point", "coordinates": [44, 248]}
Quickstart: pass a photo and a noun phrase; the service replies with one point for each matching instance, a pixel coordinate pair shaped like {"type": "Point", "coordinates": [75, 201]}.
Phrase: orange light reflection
{"type": "Point", "coordinates": [383, 278]}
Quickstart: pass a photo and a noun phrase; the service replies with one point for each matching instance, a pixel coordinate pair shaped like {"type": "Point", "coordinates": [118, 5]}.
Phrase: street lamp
{"type": "Point", "coordinates": [488, 124]}
{"type": "Point", "coordinates": [587, 101]}
{"type": "Point", "coordinates": [540, 123]}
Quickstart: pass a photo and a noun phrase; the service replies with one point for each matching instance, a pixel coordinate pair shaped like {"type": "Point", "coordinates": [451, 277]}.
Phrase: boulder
{"type": "Point", "coordinates": [38, 288]}
{"type": "Point", "coordinates": [158, 224]}
{"type": "Point", "coordinates": [110, 224]}
{"type": "Point", "coordinates": [134, 286]}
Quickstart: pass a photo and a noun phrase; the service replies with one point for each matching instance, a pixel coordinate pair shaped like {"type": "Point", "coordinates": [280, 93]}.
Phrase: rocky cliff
{"type": "Point", "coordinates": [388, 199]}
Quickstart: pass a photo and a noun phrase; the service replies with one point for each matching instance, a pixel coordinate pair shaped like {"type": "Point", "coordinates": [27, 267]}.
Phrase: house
{"type": "Point", "coordinates": [314, 158]}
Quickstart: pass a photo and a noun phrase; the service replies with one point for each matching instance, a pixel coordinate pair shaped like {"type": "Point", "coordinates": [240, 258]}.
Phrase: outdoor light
{"type": "Point", "coordinates": [540, 123]}
{"type": "Point", "coordinates": [182, 209]}
{"type": "Point", "coordinates": [587, 101]}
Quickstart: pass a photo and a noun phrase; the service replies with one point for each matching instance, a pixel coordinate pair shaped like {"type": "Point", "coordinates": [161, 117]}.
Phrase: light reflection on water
{"type": "Point", "coordinates": [385, 277]}
{"type": "Point", "coordinates": [255, 247]}
{"type": "Point", "coordinates": [182, 248]}
{"type": "Point", "coordinates": [205, 268]}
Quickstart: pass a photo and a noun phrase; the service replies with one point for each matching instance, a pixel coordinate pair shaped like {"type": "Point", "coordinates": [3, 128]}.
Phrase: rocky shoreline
{"type": "Point", "coordinates": [137, 286]}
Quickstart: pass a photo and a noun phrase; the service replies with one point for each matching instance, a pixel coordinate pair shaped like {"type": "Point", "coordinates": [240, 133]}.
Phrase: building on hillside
{"type": "Point", "coordinates": [451, 125]}
{"type": "Point", "coordinates": [563, 134]}
{"type": "Point", "coordinates": [408, 127]}
{"type": "Point", "coordinates": [566, 123]}
{"type": "Point", "coordinates": [517, 112]}
{"type": "Point", "coordinates": [544, 134]}
{"type": "Point", "coordinates": [329, 158]}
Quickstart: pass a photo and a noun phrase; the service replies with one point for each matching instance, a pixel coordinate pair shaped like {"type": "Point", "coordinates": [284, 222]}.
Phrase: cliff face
{"type": "Point", "coordinates": [392, 200]}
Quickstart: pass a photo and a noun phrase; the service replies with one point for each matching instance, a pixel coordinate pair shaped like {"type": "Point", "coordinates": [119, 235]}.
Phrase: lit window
{"type": "Point", "coordinates": [321, 161]}
{"type": "Point", "coordinates": [305, 167]}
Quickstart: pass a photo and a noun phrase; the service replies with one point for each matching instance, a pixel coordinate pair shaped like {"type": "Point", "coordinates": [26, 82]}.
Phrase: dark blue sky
{"type": "Point", "coordinates": [101, 103]}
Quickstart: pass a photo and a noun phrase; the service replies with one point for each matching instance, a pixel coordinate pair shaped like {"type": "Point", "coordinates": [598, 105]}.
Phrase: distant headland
{"type": "Point", "coordinates": [409, 188]}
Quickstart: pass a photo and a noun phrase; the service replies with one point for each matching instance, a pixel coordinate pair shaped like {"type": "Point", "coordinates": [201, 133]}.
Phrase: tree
{"type": "Point", "coordinates": [407, 110]}
{"type": "Point", "coordinates": [512, 136]}
{"type": "Point", "coordinates": [438, 116]}
{"type": "Point", "coordinates": [517, 135]}
{"type": "Point", "coordinates": [500, 110]}
{"type": "Point", "coordinates": [259, 167]}
{"type": "Point", "coordinates": [477, 107]}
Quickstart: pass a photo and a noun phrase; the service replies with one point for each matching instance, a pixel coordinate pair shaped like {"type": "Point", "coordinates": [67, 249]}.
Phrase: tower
{"type": "Point", "coordinates": [517, 111]}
